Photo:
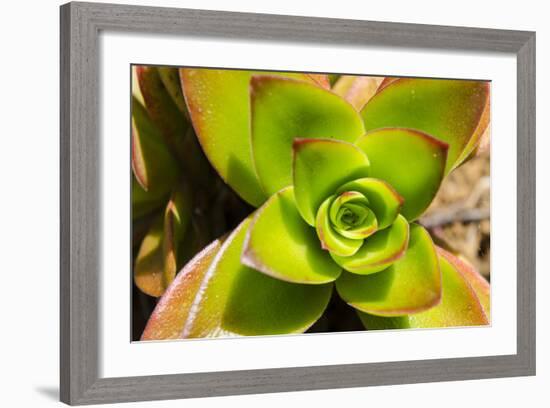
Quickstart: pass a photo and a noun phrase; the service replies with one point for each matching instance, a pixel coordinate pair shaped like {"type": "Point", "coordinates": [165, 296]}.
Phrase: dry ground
{"type": "Point", "coordinates": [459, 217]}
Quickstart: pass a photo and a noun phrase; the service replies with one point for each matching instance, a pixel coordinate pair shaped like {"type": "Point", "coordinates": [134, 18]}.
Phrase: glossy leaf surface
{"type": "Point", "coordinates": [459, 306]}
{"type": "Point", "coordinates": [177, 218]}
{"type": "Point", "coordinates": [449, 110]}
{"type": "Point", "coordinates": [280, 244]}
{"type": "Point", "coordinates": [478, 283]}
{"type": "Point", "coordinates": [173, 309]}
{"type": "Point", "coordinates": [234, 298]}
{"type": "Point", "coordinates": [219, 106]}
{"type": "Point", "coordinates": [410, 285]}
{"type": "Point", "coordinates": [411, 162]}
{"type": "Point", "coordinates": [331, 240]}
{"type": "Point", "coordinates": [383, 199]}
{"type": "Point", "coordinates": [149, 273]}
{"type": "Point", "coordinates": [379, 251]}
{"type": "Point", "coordinates": [283, 110]}
{"type": "Point", "coordinates": [320, 167]}
{"type": "Point", "coordinates": [160, 253]}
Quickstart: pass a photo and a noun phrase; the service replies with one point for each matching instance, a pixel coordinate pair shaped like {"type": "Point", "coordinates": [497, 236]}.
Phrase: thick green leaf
{"type": "Point", "coordinates": [161, 108]}
{"type": "Point", "coordinates": [481, 140]}
{"type": "Point", "coordinates": [330, 239]}
{"type": "Point", "coordinates": [379, 251]}
{"type": "Point", "coordinates": [149, 273]}
{"type": "Point", "coordinates": [170, 77]}
{"type": "Point", "coordinates": [174, 307]}
{"type": "Point", "coordinates": [453, 111]}
{"type": "Point", "coordinates": [177, 218]}
{"type": "Point", "coordinates": [411, 162]}
{"type": "Point", "coordinates": [410, 285]}
{"type": "Point", "coordinates": [478, 283]}
{"type": "Point", "coordinates": [383, 199]}
{"type": "Point", "coordinates": [459, 306]}
{"type": "Point", "coordinates": [320, 167]}
{"type": "Point", "coordinates": [154, 167]}
{"type": "Point", "coordinates": [283, 110]}
{"type": "Point", "coordinates": [219, 107]}
{"type": "Point", "coordinates": [260, 305]}
{"type": "Point", "coordinates": [235, 299]}
{"type": "Point", "coordinates": [280, 244]}
{"type": "Point", "coordinates": [161, 252]}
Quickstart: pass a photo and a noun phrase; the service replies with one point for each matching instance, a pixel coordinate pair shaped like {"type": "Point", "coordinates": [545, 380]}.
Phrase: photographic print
{"type": "Point", "coordinates": [277, 203]}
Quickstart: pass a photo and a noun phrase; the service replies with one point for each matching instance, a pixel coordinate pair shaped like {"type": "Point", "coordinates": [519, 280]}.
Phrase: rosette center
{"type": "Point", "coordinates": [351, 217]}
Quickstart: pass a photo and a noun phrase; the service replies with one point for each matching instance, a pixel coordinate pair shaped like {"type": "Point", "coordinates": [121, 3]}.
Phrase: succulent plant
{"type": "Point", "coordinates": [339, 175]}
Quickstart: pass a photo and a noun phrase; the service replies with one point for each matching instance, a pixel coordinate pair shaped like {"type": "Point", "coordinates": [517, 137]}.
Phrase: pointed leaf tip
{"type": "Point", "coordinates": [454, 111]}
{"type": "Point", "coordinates": [174, 307]}
{"type": "Point", "coordinates": [218, 101]}
{"type": "Point", "coordinates": [284, 109]}
{"type": "Point", "coordinates": [412, 162]}
{"type": "Point", "coordinates": [478, 283]}
{"type": "Point", "coordinates": [236, 300]}
{"type": "Point", "coordinates": [461, 304]}
{"type": "Point", "coordinates": [410, 285]}
{"type": "Point", "coordinates": [153, 164]}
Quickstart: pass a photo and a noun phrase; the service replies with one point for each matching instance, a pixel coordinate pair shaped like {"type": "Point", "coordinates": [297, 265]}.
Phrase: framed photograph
{"type": "Point", "coordinates": [261, 203]}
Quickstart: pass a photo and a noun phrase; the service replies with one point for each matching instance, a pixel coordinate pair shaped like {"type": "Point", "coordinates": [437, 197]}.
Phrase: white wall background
{"type": "Point", "coordinates": [29, 202]}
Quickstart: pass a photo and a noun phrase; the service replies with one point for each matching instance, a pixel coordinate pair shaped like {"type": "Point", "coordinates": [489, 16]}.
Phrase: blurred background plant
{"type": "Point", "coordinates": [179, 203]}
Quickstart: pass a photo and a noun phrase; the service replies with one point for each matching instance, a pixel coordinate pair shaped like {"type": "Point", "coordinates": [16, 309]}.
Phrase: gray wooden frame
{"type": "Point", "coordinates": [80, 232]}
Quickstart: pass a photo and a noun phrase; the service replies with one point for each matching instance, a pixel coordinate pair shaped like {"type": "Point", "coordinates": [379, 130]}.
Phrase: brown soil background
{"type": "Point", "coordinates": [459, 216]}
